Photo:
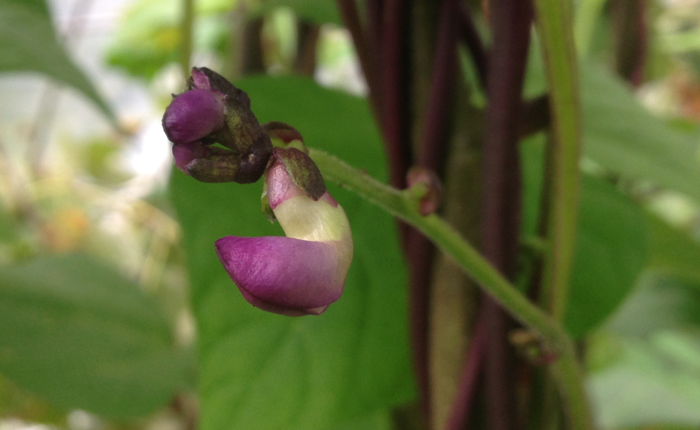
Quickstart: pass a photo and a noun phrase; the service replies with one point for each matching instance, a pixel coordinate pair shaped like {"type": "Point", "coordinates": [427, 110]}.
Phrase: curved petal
{"type": "Point", "coordinates": [290, 312]}
{"type": "Point", "coordinates": [286, 272]}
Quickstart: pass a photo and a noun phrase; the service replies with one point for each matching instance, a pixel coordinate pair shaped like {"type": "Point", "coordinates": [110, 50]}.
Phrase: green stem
{"type": "Point", "coordinates": [403, 205]}
{"type": "Point", "coordinates": [186, 34]}
{"type": "Point", "coordinates": [555, 29]}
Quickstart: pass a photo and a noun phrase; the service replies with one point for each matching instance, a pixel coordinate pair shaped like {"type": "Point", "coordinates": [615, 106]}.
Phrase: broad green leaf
{"type": "Point", "coordinates": [377, 421]}
{"type": "Point", "coordinates": [659, 302]}
{"type": "Point", "coordinates": [621, 135]}
{"type": "Point", "coordinates": [81, 336]}
{"type": "Point", "coordinates": [652, 383]}
{"type": "Point", "coordinates": [672, 251]}
{"type": "Point", "coordinates": [611, 250]}
{"type": "Point", "coordinates": [318, 11]}
{"type": "Point", "coordinates": [610, 247]}
{"type": "Point", "coordinates": [28, 44]}
{"type": "Point", "coordinates": [264, 371]}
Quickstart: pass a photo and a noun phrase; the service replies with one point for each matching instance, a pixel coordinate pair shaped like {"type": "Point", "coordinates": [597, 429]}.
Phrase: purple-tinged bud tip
{"type": "Point", "coordinates": [185, 153]}
{"type": "Point", "coordinates": [300, 274]}
{"type": "Point", "coordinates": [193, 115]}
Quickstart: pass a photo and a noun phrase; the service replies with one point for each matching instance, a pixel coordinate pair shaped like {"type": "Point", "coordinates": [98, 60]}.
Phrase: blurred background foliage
{"type": "Point", "coordinates": [107, 260]}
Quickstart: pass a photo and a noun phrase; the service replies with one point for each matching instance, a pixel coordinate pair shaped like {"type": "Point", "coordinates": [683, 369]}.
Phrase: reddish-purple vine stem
{"type": "Point", "coordinates": [439, 101]}
{"type": "Point", "coordinates": [462, 405]}
{"type": "Point", "coordinates": [511, 24]}
{"type": "Point", "coordinates": [396, 90]}
{"type": "Point", "coordinates": [432, 151]}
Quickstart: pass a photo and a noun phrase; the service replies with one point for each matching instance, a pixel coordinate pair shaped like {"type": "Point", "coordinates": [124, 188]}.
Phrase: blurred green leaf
{"type": "Point", "coordinates": [611, 250]}
{"type": "Point", "coordinates": [611, 247]}
{"type": "Point", "coordinates": [318, 11]}
{"type": "Point", "coordinates": [660, 302]}
{"type": "Point", "coordinates": [671, 250]}
{"type": "Point", "coordinates": [28, 43]}
{"type": "Point", "coordinates": [147, 39]}
{"type": "Point", "coordinates": [649, 385]}
{"type": "Point", "coordinates": [377, 421]}
{"type": "Point", "coordinates": [621, 135]}
{"type": "Point", "coordinates": [264, 371]}
{"type": "Point", "coordinates": [77, 333]}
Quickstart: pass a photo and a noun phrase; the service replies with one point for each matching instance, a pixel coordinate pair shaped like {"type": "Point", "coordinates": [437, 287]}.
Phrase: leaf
{"type": "Point", "coordinates": [28, 43]}
{"type": "Point", "coordinates": [75, 332]}
{"type": "Point", "coordinates": [315, 372]}
{"type": "Point", "coordinates": [671, 250]}
{"type": "Point", "coordinates": [621, 135]}
{"type": "Point", "coordinates": [611, 247]}
{"type": "Point", "coordinates": [317, 11]}
{"type": "Point", "coordinates": [660, 302]}
{"type": "Point", "coordinates": [610, 253]}
{"type": "Point", "coordinates": [648, 385]}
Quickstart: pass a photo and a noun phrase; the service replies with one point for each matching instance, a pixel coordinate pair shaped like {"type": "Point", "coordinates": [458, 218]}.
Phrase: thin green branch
{"type": "Point", "coordinates": [186, 35]}
{"type": "Point", "coordinates": [403, 204]}
{"type": "Point", "coordinates": [555, 30]}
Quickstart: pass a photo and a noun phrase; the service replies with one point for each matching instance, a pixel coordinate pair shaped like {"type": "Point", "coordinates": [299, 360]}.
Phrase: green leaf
{"type": "Point", "coordinates": [611, 250]}
{"type": "Point", "coordinates": [650, 384]}
{"type": "Point", "coordinates": [28, 43]}
{"type": "Point", "coordinates": [611, 247]}
{"type": "Point", "coordinates": [264, 371]}
{"type": "Point", "coordinates": [621, 135]}
{"type": "Point", "coordinates": [672, 251]}
{"type": "Point", "coordinates": [317, 11]}
{"type": "Point", "coordinates": [77, 333]}
{"type": "Point", "coordinates": [660, 302]}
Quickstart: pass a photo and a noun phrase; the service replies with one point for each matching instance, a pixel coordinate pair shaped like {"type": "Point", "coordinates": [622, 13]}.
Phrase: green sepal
{"type": "Point", "coordinates": [302, 171]}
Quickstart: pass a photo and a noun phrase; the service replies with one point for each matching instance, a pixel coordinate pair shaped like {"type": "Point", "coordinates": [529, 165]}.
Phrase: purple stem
{"type": "Point", "coordinates": [511, 24]}
{"type": "Point", "coordinates": [375, 17]}
{"type": "Point", "coordinates": [469, 378]}
{"type": "Point", "coordinates": [396, 90]}
{"type": "Point", "coordinates": [421, 249]}
{"type": "Point", "coordinates": [439, 101]}
{"type": "Point", "coordinates": [420, 257]}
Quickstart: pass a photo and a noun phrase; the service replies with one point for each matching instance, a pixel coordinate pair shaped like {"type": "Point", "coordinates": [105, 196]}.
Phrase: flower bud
{"type": "Point", "coordinates": [425, 185]}
{"type": "Point", "coordinates": [193, 115]}
{"type": "Point", "coordinates": [213, 110]}
{"type": "Point", "coordinates": [302, 273]}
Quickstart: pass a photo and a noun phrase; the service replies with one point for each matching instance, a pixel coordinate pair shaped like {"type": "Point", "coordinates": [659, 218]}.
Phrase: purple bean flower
{"type": "Point", "coordinates": [303, 273]}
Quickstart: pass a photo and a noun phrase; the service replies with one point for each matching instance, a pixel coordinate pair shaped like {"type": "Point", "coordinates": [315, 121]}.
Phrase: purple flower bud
{"type": "Point", "coordinates": [302, 273]}
{"type": "Point", "coordinates": [193, 115]}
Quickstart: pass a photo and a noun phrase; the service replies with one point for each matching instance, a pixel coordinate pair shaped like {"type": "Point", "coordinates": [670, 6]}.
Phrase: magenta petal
{"type": "Point", "coordinates": [284, 275]}
{"type": "Point", "coordinates": [193, 115]}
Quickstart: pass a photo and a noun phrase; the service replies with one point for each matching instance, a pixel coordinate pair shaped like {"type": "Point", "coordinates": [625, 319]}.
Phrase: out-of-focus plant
{"type": "Point", "coordinates": [581, 204]}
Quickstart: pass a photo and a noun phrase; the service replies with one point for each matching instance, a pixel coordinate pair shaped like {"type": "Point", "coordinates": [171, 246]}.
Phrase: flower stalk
{"type": "Point", "coordinates": [403, 204]}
